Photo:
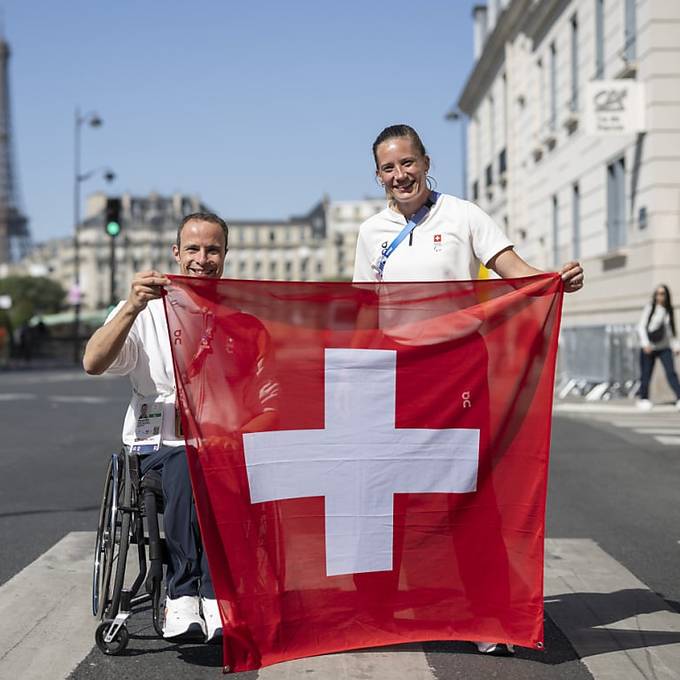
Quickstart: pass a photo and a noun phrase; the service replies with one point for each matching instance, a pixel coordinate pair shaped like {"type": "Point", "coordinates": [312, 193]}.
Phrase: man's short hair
{"type": "Point", "coordinates": [205, 217]}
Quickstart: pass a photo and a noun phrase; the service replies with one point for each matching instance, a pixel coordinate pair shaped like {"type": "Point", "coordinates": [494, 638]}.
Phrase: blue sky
{"type": "Point", "coordinates": [260, 107]}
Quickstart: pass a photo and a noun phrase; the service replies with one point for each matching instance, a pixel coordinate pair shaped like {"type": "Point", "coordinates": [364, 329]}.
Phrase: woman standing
{"type": "Point", "coordinates": [448, 241]}
{"type": "Point", "coordinates": [425, 236]}
{"type": "Point", "coordinates": [658, 340]}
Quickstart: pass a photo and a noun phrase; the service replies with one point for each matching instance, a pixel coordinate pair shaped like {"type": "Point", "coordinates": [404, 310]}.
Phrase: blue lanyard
{"type": "Point", "coordinates": [408, 228]}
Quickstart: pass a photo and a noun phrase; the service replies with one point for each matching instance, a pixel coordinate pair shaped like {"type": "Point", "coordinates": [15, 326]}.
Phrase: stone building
{"type": "Point", "coordinates": [574, 147]}
{"type": "Point", "coordinates": [315, 246]}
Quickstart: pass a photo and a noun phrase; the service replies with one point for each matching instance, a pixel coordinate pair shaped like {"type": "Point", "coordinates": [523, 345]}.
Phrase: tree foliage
{"type": "Point", "coordinates": [31, 295]}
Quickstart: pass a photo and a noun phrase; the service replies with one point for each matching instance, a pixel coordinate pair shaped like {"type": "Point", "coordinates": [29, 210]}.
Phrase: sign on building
{"type": "Point", "coordinates": [614, 107]}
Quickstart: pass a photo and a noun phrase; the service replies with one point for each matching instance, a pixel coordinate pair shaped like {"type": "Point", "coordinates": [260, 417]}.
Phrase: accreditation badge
{"type": "Point", "coordinates": [148, 427]}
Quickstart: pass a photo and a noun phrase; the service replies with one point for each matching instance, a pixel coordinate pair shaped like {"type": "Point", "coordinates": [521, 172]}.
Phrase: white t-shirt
{"type": "Point", "coordinates": [152, 377]}
{"type": "Point", "coordinates": [447, 245]}
{"type": "Point", "coordinates": [146, 358]}
{"type": "Point", "coordinates": [659, 319]}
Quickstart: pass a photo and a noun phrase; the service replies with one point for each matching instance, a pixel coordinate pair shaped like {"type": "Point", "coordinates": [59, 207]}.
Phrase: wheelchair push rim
{"type": "Point", "coordinates": [108, 531]}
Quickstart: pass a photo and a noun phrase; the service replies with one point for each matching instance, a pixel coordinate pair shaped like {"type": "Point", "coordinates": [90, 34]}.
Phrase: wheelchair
{"type": "Point", "coordinates": [129, 515]}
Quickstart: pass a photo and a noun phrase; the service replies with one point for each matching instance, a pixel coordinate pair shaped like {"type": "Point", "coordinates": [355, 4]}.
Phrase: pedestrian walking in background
{"type": "Point", "coordinates": [658, 340]}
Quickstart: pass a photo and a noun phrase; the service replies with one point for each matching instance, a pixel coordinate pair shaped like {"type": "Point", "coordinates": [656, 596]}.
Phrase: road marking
{"type": "Point", "coordinates": [620, 409]}
{"type": "Point", "coordinates": [46, 625]}
{"type": "Point", "coordinates": [618, 627]}
{"type": "Point", "coordinates": [81, 399]}
{"type": "Point", "coordinates": [627, 424]}
{"type": "Point", "coordinates": [668, 441]}
{"type": "Point", "coordinates": [15, 396]}
{"type": "Point", "coordinates": [40, 377]}
{"type": "Point", "coordinates": [388, 663]}
{"type": "Point", "coordinates": [658, 430]}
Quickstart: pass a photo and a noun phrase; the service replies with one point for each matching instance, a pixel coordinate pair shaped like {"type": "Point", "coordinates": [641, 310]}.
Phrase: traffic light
{"type": "Point", "coordinates": [112, 217]}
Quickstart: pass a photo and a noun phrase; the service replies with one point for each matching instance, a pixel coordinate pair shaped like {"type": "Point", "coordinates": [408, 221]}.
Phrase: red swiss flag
{"type": "Point", "coordinates": [369, 461]}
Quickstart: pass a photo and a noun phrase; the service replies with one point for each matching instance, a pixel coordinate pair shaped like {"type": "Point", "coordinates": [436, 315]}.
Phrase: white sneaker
{"type": "Point", "coordinates": [213, 619]}
{"type": "Point", "coordinates": [495, 648]}
{"type": "Point", "coordinates": [644, 404]}
{"type": "Point", "coordinates": [182, 618]}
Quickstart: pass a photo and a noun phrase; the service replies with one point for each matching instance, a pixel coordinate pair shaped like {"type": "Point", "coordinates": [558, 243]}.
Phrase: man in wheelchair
{"type": "Point", "coordinates": [134, 341]}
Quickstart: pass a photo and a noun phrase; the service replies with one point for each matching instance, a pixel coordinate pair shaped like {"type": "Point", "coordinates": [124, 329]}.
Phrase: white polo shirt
{"type": "Point", "coordinates": [447, 245]}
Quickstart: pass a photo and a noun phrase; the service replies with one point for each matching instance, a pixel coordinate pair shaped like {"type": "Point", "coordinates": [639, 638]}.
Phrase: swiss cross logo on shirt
{"type": "Point", "coordinates": [437, 243]}
{"type": "Point", "coordinates": [437, 238]}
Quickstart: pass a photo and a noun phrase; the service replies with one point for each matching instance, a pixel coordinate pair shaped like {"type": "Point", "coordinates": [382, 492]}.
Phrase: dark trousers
{"type": "Point", "coordinates": [187, 571]}
{"type": "Point", "coordinates": [647, 366]}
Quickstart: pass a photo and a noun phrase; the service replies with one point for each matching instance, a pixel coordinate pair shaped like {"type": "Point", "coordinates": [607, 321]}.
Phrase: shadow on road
{"type": "Point", "coordinates": [598, 623]}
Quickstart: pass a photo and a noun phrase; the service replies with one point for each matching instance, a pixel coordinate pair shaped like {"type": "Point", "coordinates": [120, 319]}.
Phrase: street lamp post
{"type": "Point", "coordinates": [93, 120]}
{"type": "Point", "coordinates": [459, 116]}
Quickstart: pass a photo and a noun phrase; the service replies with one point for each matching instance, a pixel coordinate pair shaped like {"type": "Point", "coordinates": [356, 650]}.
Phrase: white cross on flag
{"type": "Point", "coordinates": [359, 460]}
{"type": "Point", "coordinates": [369, 462]}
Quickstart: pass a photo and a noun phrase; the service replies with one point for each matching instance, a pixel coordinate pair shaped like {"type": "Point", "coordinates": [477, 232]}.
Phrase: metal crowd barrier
{"type": "Point", "coordinates": [598, 362]}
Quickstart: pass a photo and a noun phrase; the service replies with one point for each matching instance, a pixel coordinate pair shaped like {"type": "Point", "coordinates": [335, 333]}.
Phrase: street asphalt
{"type": "Point", "coordinates": [610, 484]}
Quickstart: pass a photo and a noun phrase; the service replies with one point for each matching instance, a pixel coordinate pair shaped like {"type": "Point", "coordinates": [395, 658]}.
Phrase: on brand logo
{"type": "Point", "coordinates": [178, 337]}
{"type": "Point", "coordinates": [467, 403]}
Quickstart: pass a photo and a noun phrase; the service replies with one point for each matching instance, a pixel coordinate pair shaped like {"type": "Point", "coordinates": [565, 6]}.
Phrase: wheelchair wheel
{"type": "Point", "coordinates": [113, 538]}
{"type": "Point", "coordinates": [103, 550]}
{"type": "Point", "coordinates": [115, 646]}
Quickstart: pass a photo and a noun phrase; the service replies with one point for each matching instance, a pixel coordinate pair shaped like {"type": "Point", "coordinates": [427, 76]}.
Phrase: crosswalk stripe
{"type": "Point", "coordinates": [618, 627]}
{"type": "Point", "coordinates": [81, 399]}
{"type": "Point", "coordinates": [627, 424]}
{"type": "Point", "coordinates": [664, 426]}
{"type": "Point", "coordinates": [60, 398]}
{"type": "Point", "coordinates": [405, 661]}
{"type": "Point", "coordinates": [668, 441]}
{"type": "Point", "coordinates": [43, 606]}
{"type": "Point", "coordinates": [614, 409]}
{"type": "Point", "coordinates": [586, 590]}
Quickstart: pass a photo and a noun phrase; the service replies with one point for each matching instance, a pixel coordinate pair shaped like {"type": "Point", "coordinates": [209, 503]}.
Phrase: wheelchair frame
{"type": "Point", "coordinates": [129, 501]}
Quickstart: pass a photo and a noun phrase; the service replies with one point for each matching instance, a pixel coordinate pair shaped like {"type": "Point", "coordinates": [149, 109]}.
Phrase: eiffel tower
{"type": "Point", "coordinates": [14, 234]}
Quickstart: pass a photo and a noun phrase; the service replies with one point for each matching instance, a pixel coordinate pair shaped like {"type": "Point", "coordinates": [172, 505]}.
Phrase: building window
{"type": "Point", "coordinates": [541, 91]}
{"type": "Point", "coordinates": [573, 101]}
{"type": "Point", "coordinates": [475, 190]}
{"type": "Point", "coordinates": [477, 133]}
{"type": "Point", "coordinates": [552, 122]}
{"type": "Point", "coordinates": [599, 39]}
{"type": "Point", "coordinates": [629, 46]}
{"type": "Point", "coordinates": [576, 221]}
{"type": "Point", "coordinates": [273, 269]}
{"type": "Point", "coordinates": [556, 231]}
{"type": "Point", "coordinates": [492, 127]}
{"type": "Point", "coordinates": [241, 235]}
{"type": "Point", "coordinates": [616, 204]}
{"type": "Point", "coordinates": [505, 109]}
{"type": "Point", "coordinates": [489, 175]}
{"type": "Point", "coordinates": [272, 236]}
{"type": "Point", "coordinates": [502, 162]}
